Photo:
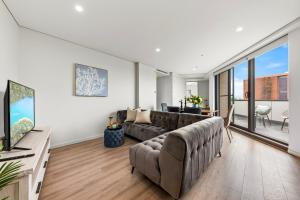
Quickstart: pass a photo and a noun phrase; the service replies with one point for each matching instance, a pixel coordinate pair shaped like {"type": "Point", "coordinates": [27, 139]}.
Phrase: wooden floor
{"type": "Point", "coordinates": [247, 170]}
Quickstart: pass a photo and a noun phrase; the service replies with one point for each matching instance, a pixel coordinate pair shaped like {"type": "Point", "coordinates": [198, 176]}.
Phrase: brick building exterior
{"type": "Point", "coordinates": [268, 88]}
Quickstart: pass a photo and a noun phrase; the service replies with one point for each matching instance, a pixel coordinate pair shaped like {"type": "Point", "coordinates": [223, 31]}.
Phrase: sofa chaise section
{"type": "Point", "coordinates": [177, 159]}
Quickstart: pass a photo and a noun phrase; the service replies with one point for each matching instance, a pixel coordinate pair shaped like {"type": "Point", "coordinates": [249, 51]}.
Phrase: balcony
{"type": "Point", "coordinates": [272, 130]}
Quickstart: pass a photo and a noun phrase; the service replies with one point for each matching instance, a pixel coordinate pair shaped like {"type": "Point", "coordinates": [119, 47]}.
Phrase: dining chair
{"type": "Point", "coordinates": [227, 121]}
{"type": "Point", "coordinates": [192, 110]}
{"type": "Point", "coordinates": [164, 107]}
{"type": "Point", "coordinates": [173, 109]}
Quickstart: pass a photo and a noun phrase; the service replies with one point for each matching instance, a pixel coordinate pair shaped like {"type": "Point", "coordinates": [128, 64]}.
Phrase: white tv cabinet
{"type": "Point", "coordinates": [28, 185]}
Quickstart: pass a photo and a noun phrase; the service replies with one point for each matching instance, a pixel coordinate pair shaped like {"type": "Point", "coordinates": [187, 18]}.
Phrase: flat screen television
{"type": "Point", "coordinates": [19, 113]}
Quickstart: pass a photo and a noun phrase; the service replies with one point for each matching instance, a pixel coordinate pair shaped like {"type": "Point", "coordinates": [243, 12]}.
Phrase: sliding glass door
{"type": "Point", "coordinates": [258, 87]}
{"type": "Point", "coordinates": [271, 93]}
{"type": "Point", "coordinates": [240, 94]}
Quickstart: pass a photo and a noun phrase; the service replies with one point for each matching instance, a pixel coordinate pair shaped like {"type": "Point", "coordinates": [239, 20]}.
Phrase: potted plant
{"type": "Point", "coordinates": [8, 172]}
{"type": "Point", "coordinates": [195, 100]}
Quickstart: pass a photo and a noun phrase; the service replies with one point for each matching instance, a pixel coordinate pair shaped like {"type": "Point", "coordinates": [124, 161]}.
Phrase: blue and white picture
{"type": "Point", "coordinates": [90, 81]}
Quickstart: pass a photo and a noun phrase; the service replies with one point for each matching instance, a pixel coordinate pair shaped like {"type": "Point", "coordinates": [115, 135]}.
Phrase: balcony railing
{"type": "Point", "coordinates": [277, 108]}
{"type": "Point", "coordinates": [275, 130]}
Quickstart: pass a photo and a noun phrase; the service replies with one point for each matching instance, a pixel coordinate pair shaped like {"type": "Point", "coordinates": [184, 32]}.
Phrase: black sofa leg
{"type": "Point", "coordinates": [132, 170]}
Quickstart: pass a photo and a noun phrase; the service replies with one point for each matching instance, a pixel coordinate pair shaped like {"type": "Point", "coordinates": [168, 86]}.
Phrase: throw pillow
{"type": "Point", "coordinates": [131, 114]}
{"type": "Point", "coordinates": [143, 117]}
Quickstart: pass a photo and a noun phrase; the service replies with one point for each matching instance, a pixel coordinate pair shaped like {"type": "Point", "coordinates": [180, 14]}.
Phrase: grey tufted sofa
{"type": "Point", "coordinates": [162, 122]}
{"type": "Point", "coordinates": [176, 160]}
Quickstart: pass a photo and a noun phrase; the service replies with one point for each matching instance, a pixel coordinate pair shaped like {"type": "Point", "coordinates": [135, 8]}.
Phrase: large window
{"type": "Point", "coordinates": [271, 92]}
{"type": "Point", "coordinates": [283, 89]}
{"type": "Point", "coordinates": [240, 93]}
{"type": "Point", "coordinates": [191, 88]}
{"type": "Point", "coordinates": [258, 86]}
{"type": "Point", "coordinates": [271, 74]}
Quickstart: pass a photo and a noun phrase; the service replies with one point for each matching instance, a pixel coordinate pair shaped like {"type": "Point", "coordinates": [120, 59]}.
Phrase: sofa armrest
{"type": "Point", "coordinates": [171, 161]}
{"type": "Point", "coordinates": [187, 152]}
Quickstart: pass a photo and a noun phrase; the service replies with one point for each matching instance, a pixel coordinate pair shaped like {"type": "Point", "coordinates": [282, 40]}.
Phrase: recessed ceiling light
{"type": "Point", "coordinates": [195, 68]}
{"type": "Point", "coordinates": [79, 8]}
{"type": "Point", "coordinates": [239, 29]}
{"type": "Point", "coordinates": [157, 49]}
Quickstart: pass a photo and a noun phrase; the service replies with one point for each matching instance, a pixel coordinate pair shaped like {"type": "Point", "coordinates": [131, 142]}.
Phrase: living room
{"type": "Point", "coordinates": [212, 63]}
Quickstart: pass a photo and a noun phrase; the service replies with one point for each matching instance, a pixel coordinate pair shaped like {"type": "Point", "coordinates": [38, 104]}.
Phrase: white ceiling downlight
{"type": "Point", "coordinates": [239, 29]}
{"type": "Point", "coordinates": [135, 28]}
{"type": "Point", "coordinates": [195, 68]}
{"type": "Point", "coordinates": [157, 50]}
{"type": "Point", "coordinates": [78, 8]}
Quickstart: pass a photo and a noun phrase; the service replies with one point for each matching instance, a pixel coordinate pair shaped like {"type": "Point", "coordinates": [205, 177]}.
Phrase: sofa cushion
{"type": "Point", "coordinates": [131, 114]}
{"type": "Point", "coordinates": [143, 131]}
{"type": "Point", "coordinates": [187, 119]}
{"type": "Point", "coordinates": [166, 120]}
{"type": "Point", "coordinates": [148, 152]}
{"type": "Point", "coordinates": [143, 117]}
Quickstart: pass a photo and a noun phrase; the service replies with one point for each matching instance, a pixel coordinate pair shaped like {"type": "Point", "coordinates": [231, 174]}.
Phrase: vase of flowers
{"type": "Point", "coordinates": [195, 100]}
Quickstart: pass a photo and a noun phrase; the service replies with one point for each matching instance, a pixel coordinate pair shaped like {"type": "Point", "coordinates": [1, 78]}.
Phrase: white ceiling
{"type": "Point", "coordinates": [182, 29]}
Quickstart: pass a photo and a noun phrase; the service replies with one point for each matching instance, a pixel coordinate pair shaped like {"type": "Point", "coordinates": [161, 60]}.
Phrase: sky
{"type": "Point", "coordinates": [269, 63]}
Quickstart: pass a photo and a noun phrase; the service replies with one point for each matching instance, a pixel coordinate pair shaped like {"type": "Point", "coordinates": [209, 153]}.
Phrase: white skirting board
{"type": "Point", "coordinates": [294, 153]}
{"type": "Point", "coordinates": [75, 141]}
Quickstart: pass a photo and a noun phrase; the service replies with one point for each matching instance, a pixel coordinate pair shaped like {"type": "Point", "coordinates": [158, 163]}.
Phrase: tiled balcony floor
{"type": "Point", "coordinates": [272, 131]}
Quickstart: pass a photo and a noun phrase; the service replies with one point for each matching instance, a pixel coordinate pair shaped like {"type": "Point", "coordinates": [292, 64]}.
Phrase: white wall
{"type": "Point", "coordinates": [48, 67]}
{"type": "Point", "coordinates": [294, 92]}
{"type": "Point", "coordinates": [9, 54]}
{"type": "Point", "coordinates": [203, 89]}
{"type": "Point", "coordinates": [211, 91]}
{"type": "Point", "coordinates": [178, 89]}
{"type": "Point", "coordinates": [164, 91]}
{"type": "Point", "coordinates": [170, 90]}
{"type": "Point", "coordinates": [146, 86]}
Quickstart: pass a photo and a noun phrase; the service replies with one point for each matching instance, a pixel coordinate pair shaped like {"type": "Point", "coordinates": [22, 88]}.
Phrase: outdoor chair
{"type": "Point", "coordinates": [263, 111]}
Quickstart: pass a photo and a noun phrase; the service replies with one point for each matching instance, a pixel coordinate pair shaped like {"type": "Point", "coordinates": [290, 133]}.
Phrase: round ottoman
{"type": "Point", "coordinates": [114, 137]}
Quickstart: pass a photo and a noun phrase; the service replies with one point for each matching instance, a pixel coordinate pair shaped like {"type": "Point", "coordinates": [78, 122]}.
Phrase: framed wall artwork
{"type": "Point", "coordinates": [90, 81]}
